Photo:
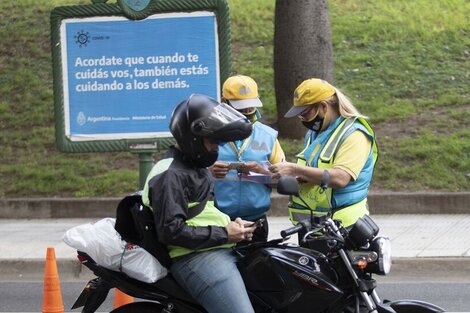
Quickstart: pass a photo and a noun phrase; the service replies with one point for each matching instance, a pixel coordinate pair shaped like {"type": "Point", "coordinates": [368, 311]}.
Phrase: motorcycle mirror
{"type": "Point", "coordinates": [288, 185]}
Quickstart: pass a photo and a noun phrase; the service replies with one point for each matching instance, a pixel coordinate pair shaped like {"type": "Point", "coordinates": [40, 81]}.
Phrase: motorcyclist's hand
{"type": "Point", "coordinates": [219, 169]}
{"type": "Point", "coordinates": [237, 231]}
{"type": "Point", "coordinates": [284, 169]}
{"type": "Point", "coordinates": [253, 166]}
{"type": "Point", "coordinates": [240, 222]}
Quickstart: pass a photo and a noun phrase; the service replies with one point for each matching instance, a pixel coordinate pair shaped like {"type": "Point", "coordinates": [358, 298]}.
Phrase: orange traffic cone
{"type": "Point", "coordinates": [120, 298]}
{"type": "Point", "coordinates": [52, 298]}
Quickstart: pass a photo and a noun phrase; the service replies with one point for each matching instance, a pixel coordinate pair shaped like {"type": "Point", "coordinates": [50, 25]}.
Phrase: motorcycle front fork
{"type": "Point", "coordinates": [375, 296]}
{"type": "Point", "coordinates": [369, 300]}
{"type": "Point", "coordinates": [374, 302]}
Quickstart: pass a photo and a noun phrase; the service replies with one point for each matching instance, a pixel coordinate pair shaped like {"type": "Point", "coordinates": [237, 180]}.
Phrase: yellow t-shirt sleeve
{"type": "Point", "coordinates": [277, 155]}
{"type": "Point", "coordinates": [353, 153]}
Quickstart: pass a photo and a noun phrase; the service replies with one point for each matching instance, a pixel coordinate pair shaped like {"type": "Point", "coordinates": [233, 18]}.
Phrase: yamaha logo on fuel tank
{"type": "Point", "coordinates": [303, 260]}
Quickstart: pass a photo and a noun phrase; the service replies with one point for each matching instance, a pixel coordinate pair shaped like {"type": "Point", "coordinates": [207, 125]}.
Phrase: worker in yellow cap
{"type": "Point", "coordinates": [237, 197]}
{"type": "Point", "coordinates": [337, 162]}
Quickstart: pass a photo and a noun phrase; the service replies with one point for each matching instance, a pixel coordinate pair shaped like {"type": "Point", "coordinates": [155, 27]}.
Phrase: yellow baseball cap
{"type": "Point", "coordinates": [309, 92]}
{"type": "Point", "coordinates": [242, 92]}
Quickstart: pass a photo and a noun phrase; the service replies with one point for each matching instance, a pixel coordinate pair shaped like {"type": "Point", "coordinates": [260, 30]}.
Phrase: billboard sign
{"type": "Point", "coordinates": [117, 80]}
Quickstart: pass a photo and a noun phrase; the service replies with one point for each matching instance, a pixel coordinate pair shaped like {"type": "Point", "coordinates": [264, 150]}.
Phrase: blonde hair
{"type": "Point", "coordinates": [344, 105]}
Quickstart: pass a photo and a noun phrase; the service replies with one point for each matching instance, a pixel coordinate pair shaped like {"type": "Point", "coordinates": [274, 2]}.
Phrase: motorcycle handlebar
{"type": "Point", "coordinates": [304, 224]}
{"type": "Point", "coordinates": [290, 231]}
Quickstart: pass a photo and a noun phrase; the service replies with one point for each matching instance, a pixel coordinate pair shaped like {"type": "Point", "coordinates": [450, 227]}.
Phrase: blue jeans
{"type": "Point", "coordinates": [213, 279]}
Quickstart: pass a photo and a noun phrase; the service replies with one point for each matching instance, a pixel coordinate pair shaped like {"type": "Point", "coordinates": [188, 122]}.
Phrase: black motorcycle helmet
{"type": "Point", "coordinates": [201, 116]}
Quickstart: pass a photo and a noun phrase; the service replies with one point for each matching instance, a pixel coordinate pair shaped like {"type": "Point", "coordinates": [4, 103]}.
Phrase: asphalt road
{"type": "Point", "coordinates": [452, 296]}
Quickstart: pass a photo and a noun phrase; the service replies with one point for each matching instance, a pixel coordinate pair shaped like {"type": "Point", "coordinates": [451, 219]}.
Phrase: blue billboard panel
{"type": "Point", "coordinates": [122, 78]}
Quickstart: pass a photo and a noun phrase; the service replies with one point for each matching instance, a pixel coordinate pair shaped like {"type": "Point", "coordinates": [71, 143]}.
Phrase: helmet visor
{"type": "Point", "coordinates": [223, 123]}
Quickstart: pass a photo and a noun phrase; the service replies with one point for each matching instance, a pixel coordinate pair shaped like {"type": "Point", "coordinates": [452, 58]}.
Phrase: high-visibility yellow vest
{"type": "Point", "coordinates": [316, 199]}
{"type": "Point", "coordinates": [210, 215]}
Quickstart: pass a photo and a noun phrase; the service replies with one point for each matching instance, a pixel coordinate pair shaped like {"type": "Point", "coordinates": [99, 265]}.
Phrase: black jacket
{"type": "Point", "coordinates": [170, 192]}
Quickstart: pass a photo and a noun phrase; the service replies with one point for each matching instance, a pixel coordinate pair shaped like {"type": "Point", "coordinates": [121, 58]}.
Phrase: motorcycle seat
{"type": "Point", "coordinates": [169, 285]}
{"type": "Point", "coordinates": [158, 289]}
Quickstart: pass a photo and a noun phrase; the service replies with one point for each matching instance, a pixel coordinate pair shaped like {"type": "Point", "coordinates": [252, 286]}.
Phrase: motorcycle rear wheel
{"type": "Point", "coordinates": [141, 307]}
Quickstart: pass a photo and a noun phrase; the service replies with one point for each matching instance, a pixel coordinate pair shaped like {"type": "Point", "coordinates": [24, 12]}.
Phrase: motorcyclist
{"type": "Point", "coordinates": [179, 189]}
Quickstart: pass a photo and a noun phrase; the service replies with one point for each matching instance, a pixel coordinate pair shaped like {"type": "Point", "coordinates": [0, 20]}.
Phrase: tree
{"type": "Point", "coordinates": [302, 50]}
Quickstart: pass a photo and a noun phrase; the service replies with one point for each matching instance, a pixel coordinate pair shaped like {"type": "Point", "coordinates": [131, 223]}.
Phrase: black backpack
{"type": "Point", "coordinates": [135, 223]}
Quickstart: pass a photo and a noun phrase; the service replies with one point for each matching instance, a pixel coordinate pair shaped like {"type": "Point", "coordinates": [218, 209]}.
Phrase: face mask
{"type": "Point", "coordinates": [207, 160]}
{"type": "Point", "coordinates": [315, 123]}
{"type": "Point", "coordinates": [200, 156]}
{"type": "Point", "coordinates": [250, 114]}
{"type": "Point", "coordinates": [251, 117]}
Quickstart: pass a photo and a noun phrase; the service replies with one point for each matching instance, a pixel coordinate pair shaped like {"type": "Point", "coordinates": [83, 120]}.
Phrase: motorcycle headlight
{"type": "Point", "coordinates": [383, 248]}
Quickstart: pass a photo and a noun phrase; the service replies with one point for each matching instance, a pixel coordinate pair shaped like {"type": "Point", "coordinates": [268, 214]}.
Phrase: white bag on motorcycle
{"type": "Point", "coordinates": [141, 265]}
{"type": "Point", "coordinates": [104, 245]}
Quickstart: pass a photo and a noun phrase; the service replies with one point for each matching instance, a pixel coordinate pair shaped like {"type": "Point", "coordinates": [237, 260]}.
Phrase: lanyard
{"type": "Point", "coordinates": [237, 151]}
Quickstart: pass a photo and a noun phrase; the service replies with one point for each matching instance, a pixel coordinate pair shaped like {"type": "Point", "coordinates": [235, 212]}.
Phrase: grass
{"type": "Point", "coordinates": [405, 64]}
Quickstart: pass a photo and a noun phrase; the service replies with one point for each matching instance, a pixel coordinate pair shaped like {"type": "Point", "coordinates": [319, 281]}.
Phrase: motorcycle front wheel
{"type": "Point", "coordinates": [141, 307]}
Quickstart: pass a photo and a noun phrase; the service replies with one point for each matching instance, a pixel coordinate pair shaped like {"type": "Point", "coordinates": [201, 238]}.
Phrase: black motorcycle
{"type": "Point", "coordinates": [332, 272]}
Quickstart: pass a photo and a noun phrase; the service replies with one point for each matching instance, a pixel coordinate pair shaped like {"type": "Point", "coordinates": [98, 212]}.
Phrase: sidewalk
{"type": "Point", "coordinates": [419, 243]}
